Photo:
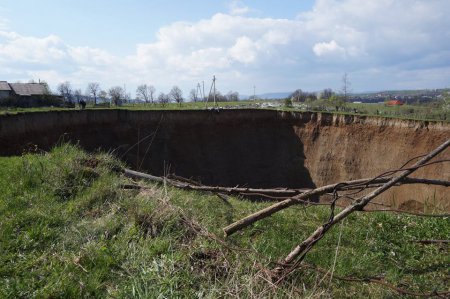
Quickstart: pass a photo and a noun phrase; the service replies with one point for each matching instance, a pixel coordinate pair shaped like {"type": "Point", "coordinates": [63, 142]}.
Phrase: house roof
{"type": "Point", "coordinates": [28, 89]}
{"type": "Point", "coordinates": [4, 86]}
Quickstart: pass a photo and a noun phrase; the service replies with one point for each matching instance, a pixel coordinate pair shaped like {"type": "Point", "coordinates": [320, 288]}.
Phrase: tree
{"type": "Point", "coordinates": [219, 97]}
{"type": "Point", "coordinates": [337, 101]}
{"type": "Point", "coordinates": [288, 103]}
{"type": "Point", "coordinates": [145, 93]}
{"type": "Point", "coordinates": [65, 90]}
{"type": "Point", "coordinates": [47, 90]}
{"type": "Point", "coordinates": [232, 96]}
{"type": "Point", "coordinates": [446, 101]}
{"type": "Point", "coordinates": [327, 93]}
{"type": "Point", "coordinates": [117, 95]}
{"type": "Point", "coordinates": [311, 96]}
{"type": "Point", "coordinates": [78, 95]}
{"type": "Point", "coordinates": [298, 96]}
{"type": "Point", "coordinates": [163, 99]}
{"type": "Point", "coordinates": [93, 90]}
{"type": "Point", "coordinates": [103, 95]}
{"type": "Point", "coordinates": [176, 94]}
{"type": "Point", "coordinates": [345, 87]}
{"type": "Point", "coordinates": [126, 97]}
{"type": "Point", "coordinates": [193, 95]}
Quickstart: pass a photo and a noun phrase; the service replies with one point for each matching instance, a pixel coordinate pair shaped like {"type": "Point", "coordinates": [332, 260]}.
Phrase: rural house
{"type": "Point", "coordinates": [5, 90]}
{"type": "Point", "coordinates": [26, 95]}
{"type": "Point", "coordinates": [28, 89]}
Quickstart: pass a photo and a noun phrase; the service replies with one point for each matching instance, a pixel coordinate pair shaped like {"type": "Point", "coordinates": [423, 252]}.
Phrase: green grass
{"type": "Point", "coordinates": [136, 106]}
{"type": "Point", "coordinates": [413, 112]}
{"type": "Point", "coordinates": [68, 229]}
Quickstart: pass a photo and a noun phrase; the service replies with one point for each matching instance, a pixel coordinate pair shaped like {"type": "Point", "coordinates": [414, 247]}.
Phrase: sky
{"type": "Point", "coordinates": [272, 45]}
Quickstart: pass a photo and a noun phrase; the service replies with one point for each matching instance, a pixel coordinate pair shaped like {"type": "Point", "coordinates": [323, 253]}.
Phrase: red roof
{"type": "Point", "coordinates": [394, 103]}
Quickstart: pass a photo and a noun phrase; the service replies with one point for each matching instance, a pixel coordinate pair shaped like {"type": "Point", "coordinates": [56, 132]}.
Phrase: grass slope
{"type": "Point", "coordinates": [68, 229]}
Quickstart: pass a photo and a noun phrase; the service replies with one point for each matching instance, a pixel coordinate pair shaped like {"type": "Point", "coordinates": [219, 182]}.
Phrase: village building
{"type": "Point", "coordinates": [26, 95]}
{"type": "Point", "coordinates": [5, 90]}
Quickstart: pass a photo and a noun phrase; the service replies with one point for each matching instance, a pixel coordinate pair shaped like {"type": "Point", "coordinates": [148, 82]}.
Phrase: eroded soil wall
{"type": "Point", "coordinates": [258, 148]}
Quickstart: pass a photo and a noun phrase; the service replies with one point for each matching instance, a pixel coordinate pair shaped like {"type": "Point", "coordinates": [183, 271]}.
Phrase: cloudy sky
{"type": "Point", "coordinates": [275, 45]}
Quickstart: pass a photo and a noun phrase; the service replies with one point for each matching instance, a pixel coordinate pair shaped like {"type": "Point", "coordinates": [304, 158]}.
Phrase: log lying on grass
{"type": "Point", "coordinates": [281, 193]}
{"type": "Point", "coordinates": [304, 197]}
{"type": "Point", "coordinates": [300, 251]}
{"type": "Point", "coordinates": [216, 189]}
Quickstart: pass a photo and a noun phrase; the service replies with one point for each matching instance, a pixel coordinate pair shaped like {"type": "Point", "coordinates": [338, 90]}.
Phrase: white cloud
{"type": "Point", "coordinates": [393, 37]}
{"type": "Point", "coordinates": [238, 8]}
{"type": "Point", "coordinates": [244, 50]}
{"type": "Point", "coordinates": [330, 48]}
{"type": "Point", "coordinates": [90, 56]}
{"type": "Point", "coordinates": [31, 49]}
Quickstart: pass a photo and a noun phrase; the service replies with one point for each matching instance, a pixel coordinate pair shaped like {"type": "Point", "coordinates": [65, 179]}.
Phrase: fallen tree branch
{"type": "Point", "coordinates": [227, 190]}
{"type": "Point", "coordinates": [187, 184]}
{"type": "Point", "coordinates": [409, 213]}
{"type": "Point", "coordinates": [303, 248]}
{"type": "Point", "coordinates": [302, 198]}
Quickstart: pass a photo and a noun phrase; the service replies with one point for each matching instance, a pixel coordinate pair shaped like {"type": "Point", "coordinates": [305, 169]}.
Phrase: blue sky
{"type": "Point", "coordinates": [275, 45]}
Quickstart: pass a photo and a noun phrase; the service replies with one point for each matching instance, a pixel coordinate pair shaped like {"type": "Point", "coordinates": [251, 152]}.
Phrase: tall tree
{"type": "Point", "coordinates": [163, 99]}
{"type": "Point", "coordinates": [345, 87]}
{"type": "Point", "coordinates": [298, 96]}
{"type": "Point", "coordinates": [326, 93]}
{"type": "Point", "coordinates": [78, 95]}
{"type": "Point", "coordinates": [103, 95]}
{"type": "Point", "coordinates": [176, 95]}
{"type": "Point", "coordinates": [151, 93]}
{"type": "Point", "coordinates": [117, 95]}
{"type": "Point", "coordinates": [145, 93]}
{"type": "Point", "coordinates": [65, 90]}
{"type": "Point", "coordinates": [93, 90]}
{"type": "Point", "coordinates": [46, 87]}
{"type": "Point", "coordinates": [232, 96]}
{"type": "Point", "coordinates": [193, 95]}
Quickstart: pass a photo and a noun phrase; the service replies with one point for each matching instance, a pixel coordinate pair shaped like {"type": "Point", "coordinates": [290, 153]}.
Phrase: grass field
{"type": "Point", "coordinates": [417, 112]}
{"type": "Point", "coordinates": [69, 229]}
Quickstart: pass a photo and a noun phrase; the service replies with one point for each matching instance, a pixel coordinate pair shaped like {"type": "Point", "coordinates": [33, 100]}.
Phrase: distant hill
{"type": "Point", "coordinates": [274, 95]}
{"type": "Point", "coordinates": [268, 96]}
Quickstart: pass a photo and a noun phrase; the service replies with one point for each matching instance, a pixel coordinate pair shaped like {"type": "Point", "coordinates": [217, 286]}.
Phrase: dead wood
{"type": "Point", "coordinates": [304, 197]}
{"type": "Point", "coordinates": [303, 248]}
{"type": "Point", "coordinates": [281, 193]}
{"type": "Point", "coordinates": [285, 197]}
{"type": "Point", "coordinates": [216, 189]}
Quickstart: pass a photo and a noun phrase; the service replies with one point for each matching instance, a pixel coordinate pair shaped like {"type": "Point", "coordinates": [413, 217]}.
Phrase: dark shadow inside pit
{"type": "Point", "coordinates": [230, 148]}
{"type": "Point", "coordinates": [245, 154]}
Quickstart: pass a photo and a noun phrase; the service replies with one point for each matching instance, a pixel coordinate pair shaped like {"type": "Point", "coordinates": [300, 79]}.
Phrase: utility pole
{"type": "Point", "coordinates": [214, 94]}
{"type": "Point", "coordinates": [204, 98]}
{"type": "Point", "coordinates": [198, 92]}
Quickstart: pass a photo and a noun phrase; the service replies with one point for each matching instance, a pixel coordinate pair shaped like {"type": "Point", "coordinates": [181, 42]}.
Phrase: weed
{"type": "Point", "coordinates": [67, 229]}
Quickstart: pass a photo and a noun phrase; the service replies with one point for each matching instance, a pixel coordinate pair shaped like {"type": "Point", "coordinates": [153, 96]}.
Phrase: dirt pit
{"type": "Point", "coordinates": [254, 148]}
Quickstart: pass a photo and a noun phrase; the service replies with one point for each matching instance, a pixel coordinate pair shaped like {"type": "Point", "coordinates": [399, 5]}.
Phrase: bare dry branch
{"type": "Point", "coordinates": [302, 198]}
{"type": "Point", "coordinates": [303, 248]}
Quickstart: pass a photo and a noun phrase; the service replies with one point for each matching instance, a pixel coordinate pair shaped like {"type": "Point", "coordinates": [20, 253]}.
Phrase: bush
{"type": "Point", "coordinates": [288, 103]}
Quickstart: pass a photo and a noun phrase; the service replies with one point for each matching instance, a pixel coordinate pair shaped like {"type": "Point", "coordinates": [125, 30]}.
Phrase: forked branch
{"type": "Point", "coordinates": [300, 251]}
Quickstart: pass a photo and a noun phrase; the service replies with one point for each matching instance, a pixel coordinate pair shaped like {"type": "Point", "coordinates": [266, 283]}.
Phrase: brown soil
{"type": "Point", "coordinates": [257, 148]}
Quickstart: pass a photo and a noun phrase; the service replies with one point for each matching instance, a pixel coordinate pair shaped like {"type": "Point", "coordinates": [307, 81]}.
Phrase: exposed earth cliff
{"type": "Point", "coordinates": [257, 148]}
